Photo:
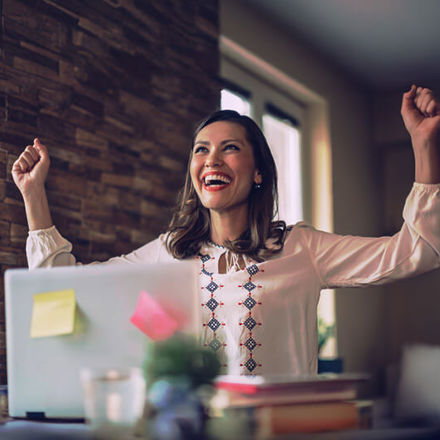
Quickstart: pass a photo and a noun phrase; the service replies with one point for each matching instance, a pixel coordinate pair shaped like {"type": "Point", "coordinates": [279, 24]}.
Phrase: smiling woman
{"type": "Point", "coordinates": [260, 280]}
{"type": "Point", "coordinates": [237, 210]}
{"type": "Point", "coordinates": [223, 170]}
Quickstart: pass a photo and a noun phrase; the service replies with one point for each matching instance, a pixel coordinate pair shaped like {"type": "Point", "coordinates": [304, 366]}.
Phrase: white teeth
{"type": "Point", "coordinates": [216, 177]}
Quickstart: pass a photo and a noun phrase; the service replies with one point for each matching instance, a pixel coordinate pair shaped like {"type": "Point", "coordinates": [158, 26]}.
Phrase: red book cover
{"type": "Point", "coordinates": [262, 391]}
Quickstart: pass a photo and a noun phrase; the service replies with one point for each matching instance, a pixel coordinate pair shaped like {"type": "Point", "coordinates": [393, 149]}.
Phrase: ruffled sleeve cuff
{"type": "Point", "coordinates": [422, 212]}
{"type": "Point", "coordinates": [46, 248]}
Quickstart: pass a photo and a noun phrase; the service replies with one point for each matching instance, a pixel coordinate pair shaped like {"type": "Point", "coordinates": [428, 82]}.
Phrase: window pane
{"type": "Point", "coordinates": [234, 101]}
{"type": "Point", "coordinates": [284, 141]}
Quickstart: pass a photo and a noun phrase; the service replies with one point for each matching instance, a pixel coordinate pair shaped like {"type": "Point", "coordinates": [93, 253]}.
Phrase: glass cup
{"type": "Point", "coordinates": [113, 396]}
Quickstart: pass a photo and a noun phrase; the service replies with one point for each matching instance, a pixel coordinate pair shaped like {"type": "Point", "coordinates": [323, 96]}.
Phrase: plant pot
{"type": "Point", "coordinates": [330, 365]}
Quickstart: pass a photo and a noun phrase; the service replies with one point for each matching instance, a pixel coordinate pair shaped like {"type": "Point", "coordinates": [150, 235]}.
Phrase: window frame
{"type": "Point", "coordinates": [316, 149]}
{"type": "Point", "coordinates": [266, 98]}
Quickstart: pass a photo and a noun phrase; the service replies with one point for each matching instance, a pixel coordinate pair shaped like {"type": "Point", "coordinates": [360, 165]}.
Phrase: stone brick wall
{"type": "Point", "coordinates": [114, 88]}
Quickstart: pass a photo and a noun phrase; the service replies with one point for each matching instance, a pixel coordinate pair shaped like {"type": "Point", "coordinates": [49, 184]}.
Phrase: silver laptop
{"type": "Point", "coordinates": [43, 372]}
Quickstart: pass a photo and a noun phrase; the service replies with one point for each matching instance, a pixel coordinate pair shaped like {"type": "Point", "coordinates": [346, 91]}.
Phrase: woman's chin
{"type": "Point", "coordinates": [225, 208]}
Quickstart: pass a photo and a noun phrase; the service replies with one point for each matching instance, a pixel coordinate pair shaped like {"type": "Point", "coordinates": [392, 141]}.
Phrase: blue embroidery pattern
{"type": "Point", "coordinates": [212, 304]}
{"type": "Point", "coordinates": [250, 323]}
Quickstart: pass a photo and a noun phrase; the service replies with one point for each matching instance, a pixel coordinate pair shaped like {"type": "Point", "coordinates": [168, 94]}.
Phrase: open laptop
{"type": "Point", "coordinates": [43, 372]}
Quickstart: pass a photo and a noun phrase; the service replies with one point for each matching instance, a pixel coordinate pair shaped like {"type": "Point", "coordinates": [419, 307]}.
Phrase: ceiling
{"type": "Point", "coordinates": [383, 44]}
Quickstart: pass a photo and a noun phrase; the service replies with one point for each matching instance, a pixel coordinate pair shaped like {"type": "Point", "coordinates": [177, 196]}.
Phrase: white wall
{"type": "Point", "coordinates": [360, 314]}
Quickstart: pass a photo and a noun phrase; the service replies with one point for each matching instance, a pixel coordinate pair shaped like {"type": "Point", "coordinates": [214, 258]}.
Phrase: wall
{"type": "Point", "coordinates": [412, 305]}
{"type": "Point", "coordinates": [114, 88]}
{"type": "Point", "coordinates": [356, 203]}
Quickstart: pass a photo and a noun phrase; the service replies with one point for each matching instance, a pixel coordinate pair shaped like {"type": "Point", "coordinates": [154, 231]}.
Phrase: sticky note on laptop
{"type": "Point", "coordinates": [53, 313]}
{"type": "Point", "coordinates": [152, 318]}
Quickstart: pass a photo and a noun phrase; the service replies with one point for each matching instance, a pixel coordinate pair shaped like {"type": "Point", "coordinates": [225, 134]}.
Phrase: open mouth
{"type": "Point", "coordinates": [213, 182]}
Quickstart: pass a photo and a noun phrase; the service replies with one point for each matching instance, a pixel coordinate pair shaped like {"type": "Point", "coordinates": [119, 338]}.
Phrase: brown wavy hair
{"type": "Point", "coordinates": [190, 225]}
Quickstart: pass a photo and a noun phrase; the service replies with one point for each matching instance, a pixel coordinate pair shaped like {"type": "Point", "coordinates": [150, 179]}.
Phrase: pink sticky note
{"type": "Point", "coordinates": [153, 319]}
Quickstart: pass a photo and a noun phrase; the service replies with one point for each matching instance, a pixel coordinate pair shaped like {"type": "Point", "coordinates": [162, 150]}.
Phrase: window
{"type": "Point", "coordinates": [282, 131]}
{"type": "Point", "coordinates": [284, 138]}
{"type": "Point", "coordinates": [234, 101]}
{"type": "Point", "coordinates": [295, 122]}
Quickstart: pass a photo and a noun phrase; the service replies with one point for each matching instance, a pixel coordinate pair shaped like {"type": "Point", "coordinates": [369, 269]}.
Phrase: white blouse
{"type": "Point", "coordinates": [262, 319]}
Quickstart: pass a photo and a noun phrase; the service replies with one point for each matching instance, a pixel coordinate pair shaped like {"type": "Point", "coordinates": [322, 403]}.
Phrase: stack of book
{"type": "Point", "coordinates": [279, 405]}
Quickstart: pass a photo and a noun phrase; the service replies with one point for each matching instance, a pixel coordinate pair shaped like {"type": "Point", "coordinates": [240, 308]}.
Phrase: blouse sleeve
{"type": "Point", "coordinates": [47, 248]}
{"type": "Point", "coordinates": [347, 261]}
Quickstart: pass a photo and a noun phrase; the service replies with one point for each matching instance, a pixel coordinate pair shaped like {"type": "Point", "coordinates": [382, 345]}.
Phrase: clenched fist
{"type": "Point", "coordinates": [421, 115]}
{"type": "Point", "coordinates": [30, 170]}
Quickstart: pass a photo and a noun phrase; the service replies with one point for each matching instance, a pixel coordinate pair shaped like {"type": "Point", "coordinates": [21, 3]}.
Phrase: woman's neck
{"type": "Point", "coordinates": [227, 226]}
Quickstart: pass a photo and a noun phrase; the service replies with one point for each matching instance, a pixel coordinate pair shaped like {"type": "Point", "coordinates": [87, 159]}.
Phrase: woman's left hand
{"type": "Point", "coordinates": [421, 115]}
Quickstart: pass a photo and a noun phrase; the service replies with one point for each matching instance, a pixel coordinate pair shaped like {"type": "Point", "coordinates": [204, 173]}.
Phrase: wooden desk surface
{"type": "Point", "coordinates": [24, 430]}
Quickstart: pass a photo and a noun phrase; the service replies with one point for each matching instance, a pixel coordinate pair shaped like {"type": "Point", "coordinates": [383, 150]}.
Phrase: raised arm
{"type": "Point", "coordinates": [45, 247]}
{"type": "Point", "coordinates": [29, 172]}
{"type": "Point", "coordinates": [421, 115]}
{"type": "Point", "coordinates": [347, 261]}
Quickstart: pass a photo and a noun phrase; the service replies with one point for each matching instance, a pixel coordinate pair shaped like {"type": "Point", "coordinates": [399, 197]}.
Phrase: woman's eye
{"type": "Point", "coordinates": [232, 147]}
{"type": "Point", "coordinates": [200, 149]}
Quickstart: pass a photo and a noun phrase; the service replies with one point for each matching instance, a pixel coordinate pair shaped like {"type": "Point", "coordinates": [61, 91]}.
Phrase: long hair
{"type": "Point", "coordinates": [190, 225]}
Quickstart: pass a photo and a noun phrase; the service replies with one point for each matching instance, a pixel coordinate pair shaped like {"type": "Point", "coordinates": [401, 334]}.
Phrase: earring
{"type": "Point", "coordinates": [257, 186]}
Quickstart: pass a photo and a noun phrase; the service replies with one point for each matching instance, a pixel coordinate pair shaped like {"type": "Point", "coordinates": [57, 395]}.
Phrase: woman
{"type": "Point", "coordinates": [260, 281]}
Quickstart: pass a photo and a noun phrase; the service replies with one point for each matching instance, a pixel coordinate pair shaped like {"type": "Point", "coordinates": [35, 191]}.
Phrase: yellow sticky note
{"type": "Point", "coordinates": [53, 313]}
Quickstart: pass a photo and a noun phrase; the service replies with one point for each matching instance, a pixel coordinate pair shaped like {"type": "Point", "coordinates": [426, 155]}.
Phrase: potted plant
{"type": "Point", "coordinates": [325, 333]}
{"type": "Point", "coordinates": [179, 373]}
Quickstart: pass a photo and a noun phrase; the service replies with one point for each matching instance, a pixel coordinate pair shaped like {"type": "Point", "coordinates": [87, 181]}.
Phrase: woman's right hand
{"type": "Point", "coordinates": [30, 170]}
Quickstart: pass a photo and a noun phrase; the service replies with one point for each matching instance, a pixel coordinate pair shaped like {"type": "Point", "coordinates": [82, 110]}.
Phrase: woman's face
{"type": "Point", "coordinates": [223, 166]}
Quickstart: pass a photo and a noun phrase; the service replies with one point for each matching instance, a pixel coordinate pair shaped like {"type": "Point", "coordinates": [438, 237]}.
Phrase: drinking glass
{"type": "Point", "coordinates": [113, 396]}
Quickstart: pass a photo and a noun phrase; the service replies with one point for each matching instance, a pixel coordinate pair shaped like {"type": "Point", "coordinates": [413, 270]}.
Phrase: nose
{"type": "Point", "coordinates": [213, 159]}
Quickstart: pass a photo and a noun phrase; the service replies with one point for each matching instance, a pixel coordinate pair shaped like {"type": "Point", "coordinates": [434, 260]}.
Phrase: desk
{"type": "Point", "coordinates": [24, 430]}
{"type": "Point", "coordinates": [27, 430]}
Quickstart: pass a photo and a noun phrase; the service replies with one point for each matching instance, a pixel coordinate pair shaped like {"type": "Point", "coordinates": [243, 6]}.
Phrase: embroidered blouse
{"type": "Point", "coordinates": [262, 319]}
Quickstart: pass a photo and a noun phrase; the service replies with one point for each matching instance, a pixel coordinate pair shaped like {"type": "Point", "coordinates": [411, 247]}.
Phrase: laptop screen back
{"type": "Point", "coordinates": [43, 372]}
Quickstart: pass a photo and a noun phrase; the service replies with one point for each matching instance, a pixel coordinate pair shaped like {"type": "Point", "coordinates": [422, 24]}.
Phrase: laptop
{"type": "Point", "coordinates": [44, 372]}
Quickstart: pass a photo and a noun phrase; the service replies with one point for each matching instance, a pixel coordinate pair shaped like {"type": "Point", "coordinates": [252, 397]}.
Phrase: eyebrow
{"type": "Point", "coordinates": [221, 143]}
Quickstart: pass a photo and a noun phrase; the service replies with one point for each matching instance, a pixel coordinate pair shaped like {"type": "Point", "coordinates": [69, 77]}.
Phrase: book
{"type": "Point", "coordinates": [267, 421]}
{"type": "Point", "coordinates": [273, 405]}
{"type": "Point", "coordinates": [276, 390]}
{"type": "Point", "coordinates": [314, 417]}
